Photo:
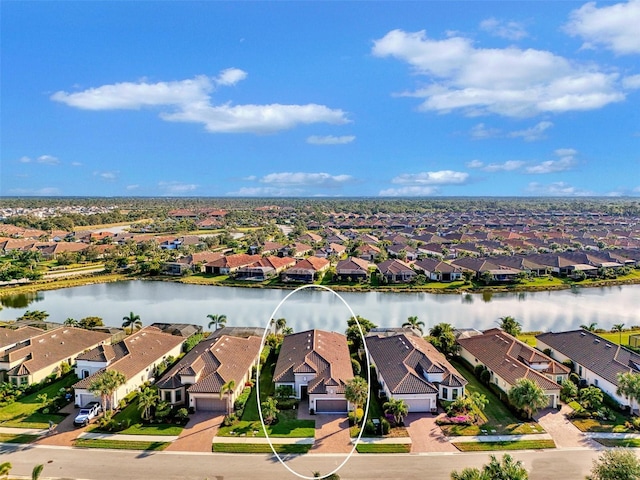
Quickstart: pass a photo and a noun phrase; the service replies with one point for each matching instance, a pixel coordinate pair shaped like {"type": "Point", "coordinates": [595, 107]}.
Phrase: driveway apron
{"type": "Point", "coordinates": [563, 432]}
{"type": "Point", "coordinates": [332, 435]}
{"type": "Point", "coordinates": [425, 435]}
{"type": "Point", "coordinates": [198, 435]}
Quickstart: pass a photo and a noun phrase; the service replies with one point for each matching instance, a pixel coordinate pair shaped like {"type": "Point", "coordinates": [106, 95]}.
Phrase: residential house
{"type": "Point", "coordinates": [136, 357]}
{"type": "Point", "coordinates": [368, 252]}
{"type": "Point", "coordinates": [9, 338]}
{"type": "Point", "coordinates": [306, 271]}
{"type": "Point", "coordinates": [352, 270]}
{"type": "Point", "coordinates": [230, 264]}
{"type": "Point", "coordinates": [332, 249]}
{"type": "Point", "coordinates": [409, 368]}
{"type": "Point", "coordinates": [438, 271]}
{"type": "Point", "coordinates": [199, 377]}
{"type": "Point", "coordinates": [31, 359]}
{"type": "Point", "coordinates": [265, 268]}
{"type": "Point", "coordinates": [195, 262]}
{"type": "Point", "coordinates": [400, 250]}
{"type": "Point", "coordinates": [396, 271]}
{"type": "Point", "coordinates": [316, 365]}
{"type": "Point", "coordinates": [595, 359]}
{"type": "Point", "coordinates": [508, 360]}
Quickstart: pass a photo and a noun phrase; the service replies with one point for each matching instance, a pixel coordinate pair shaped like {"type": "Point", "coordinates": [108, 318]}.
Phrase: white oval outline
{"type": "Point", "coordinates": [366, 411]}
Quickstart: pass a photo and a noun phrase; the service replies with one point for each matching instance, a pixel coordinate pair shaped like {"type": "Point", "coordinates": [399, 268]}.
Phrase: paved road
{"type": "Point", "coordinates": [62, 462]}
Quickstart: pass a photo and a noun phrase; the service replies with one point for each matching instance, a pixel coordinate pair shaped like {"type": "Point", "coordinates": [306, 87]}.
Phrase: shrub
{"type": "Point", "coordinates": [242, 399]}
{"type": "Point", "coordinates": [485, 377]}
{"type": "Point", "coordinates": [287, 404]}
{"type": "Point", "coordinates": [569, 391]}
{"type": "Point", "coordinates": [635, 421]}
{"type": "Point", "coordinates": [385, 426]}
{"type": "Point", "coordinates": [369, 427]}
{"type": "Point", "coordinates": [182, 414]}
{"type": "Point", "coordinates": [478, 369]}
{"type": "Point", "coordinates": [574, 378]}
{"type": "Point", "coordinates": [230, 420]}
{"type": "Point", "coordinates": [569, 363]}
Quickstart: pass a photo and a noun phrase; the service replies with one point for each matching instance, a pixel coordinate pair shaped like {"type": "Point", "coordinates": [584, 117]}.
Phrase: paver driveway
{"type": "Point", "coordinates": [563, 432]}
{"type": "Point", "coordinates": [332, 435]}
{"type": "Point", "coordinates": [198, 435]}
{"type": "Point", "coordinates": [425, 435]}
{"type": "Point", "coordinates": [65, 432]}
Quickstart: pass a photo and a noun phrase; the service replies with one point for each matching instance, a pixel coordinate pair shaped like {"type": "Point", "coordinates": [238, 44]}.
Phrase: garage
{"type": "Point", "coordinates": [85, 398]}
{"type": "Point", "coordinates": [418, 404]}
{"type": "Point", "coordinates": [331, 406]}
{"type": "Point", "coordinates": [211, 404]}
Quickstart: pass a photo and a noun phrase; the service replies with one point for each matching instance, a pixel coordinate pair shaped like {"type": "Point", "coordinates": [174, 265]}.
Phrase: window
{"type": "Point", "coordinates": [595, 382]}
{"type": "Point", "coordinates": [24, 380]}
{"type": "Point", "coordinates": [445, 393]}
{"type": "Point", "coordinates": [167, 396]}
{"type": "Point", "coordinates": [454, 394]}
{"type": "Point", "coordinates": [580, 370]}
{"type": "Point", "coordinates": [558, 379]}
{"type": "Point", "coordinates": [85, 373]}
{"type": "Point", "coordinates": [178, 396]}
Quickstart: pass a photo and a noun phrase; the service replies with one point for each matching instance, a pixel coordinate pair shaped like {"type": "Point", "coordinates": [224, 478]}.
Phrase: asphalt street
{"type": "Point", "coordinates": [68, 463]}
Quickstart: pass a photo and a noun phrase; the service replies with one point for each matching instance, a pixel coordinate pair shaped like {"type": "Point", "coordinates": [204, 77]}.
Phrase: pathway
{"type": "Point", "coordinates": [198, 435]}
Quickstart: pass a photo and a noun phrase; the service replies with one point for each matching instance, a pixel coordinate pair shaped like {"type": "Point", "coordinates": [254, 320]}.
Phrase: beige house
{"type": "Point", "coordinates": [29, 354]}
{"type": "Point", "coordinates": [136, 357]}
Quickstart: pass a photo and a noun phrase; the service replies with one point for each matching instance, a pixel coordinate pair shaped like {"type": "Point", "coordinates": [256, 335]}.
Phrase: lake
{"type": "Point", "coordinates": [310, 308]}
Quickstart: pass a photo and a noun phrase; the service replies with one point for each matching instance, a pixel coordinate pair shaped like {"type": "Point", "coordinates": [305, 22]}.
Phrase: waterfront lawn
{"type": "Point", "coordinates": [498, 446]}
{"type": "Point", "coordinates": [499, 419]}
{"type": "Point", "coordinates": [23, 413]}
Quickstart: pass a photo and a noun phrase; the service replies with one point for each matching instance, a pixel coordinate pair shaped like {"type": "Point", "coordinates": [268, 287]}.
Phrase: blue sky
{"type": "Point", "coordinates": [330, 99]}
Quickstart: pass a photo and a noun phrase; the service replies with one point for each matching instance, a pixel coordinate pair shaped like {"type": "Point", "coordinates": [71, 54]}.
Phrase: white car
{"type": "Point", "coordinates": [86, 414]}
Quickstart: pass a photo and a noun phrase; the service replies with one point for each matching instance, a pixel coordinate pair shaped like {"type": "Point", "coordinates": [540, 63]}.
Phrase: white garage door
{"type": "Point", "coordinates": [211, 404]}
{"type": "Point", "coordinates": [331, 406]}
{"type": "Point", "coordinates": [418, 405]}
{"type": "Point", "coordinates": [86, 398]}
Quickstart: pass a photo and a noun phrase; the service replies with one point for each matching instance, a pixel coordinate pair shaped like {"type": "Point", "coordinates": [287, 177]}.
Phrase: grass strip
{"type": "Point", "coordinates": [20, 438]}
{"type": "Point", "coordinates": [496, 446]}
{"type": "Point", "coordinates": [619, 442]}
{"type": "Point", "coordinates": [259, 448]}
{"type": "Point", "coordinates": [120, 444]}
{"type": "Point", "coordinates": [383, 448]}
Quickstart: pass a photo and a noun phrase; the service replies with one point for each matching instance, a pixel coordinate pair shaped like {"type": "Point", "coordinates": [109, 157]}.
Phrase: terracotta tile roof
{"type": "Point", "coordinates": [395, 267]}
{"type": "Point", "coordinates": [234, 261]}
{"type": "Point", "coordinates": [324, 354]}
{"type": "Point", "coordinates": [315, 264]}
{"type": "Point", "coordinates": [215, 361]}
{"type": "Point", "coordinates": [11, 336]}
{"type": "Point", "coordinates": [134, 353]}
{"type": "Point", "coordinates": [510, 358]}
{"type": "Point", "coordinates": [402, 361]}
{"type": "Point", "coordinates": [54, 346]}
{"type": "Point", "coordinates": [594, 353]}
{"type": "Point", "coordinates": [351, 265]}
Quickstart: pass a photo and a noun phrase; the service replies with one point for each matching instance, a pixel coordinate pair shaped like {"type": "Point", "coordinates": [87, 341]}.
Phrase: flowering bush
{"type": "Point", "coordinates": [457, 420]}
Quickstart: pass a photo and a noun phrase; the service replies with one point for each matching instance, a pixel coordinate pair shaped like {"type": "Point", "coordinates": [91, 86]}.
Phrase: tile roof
{"type": "Point", "coordinates": [234, 261]}
{"type": "Point", "coordinates": [402, 360]}
{"type": "Point", "coordinates": [214, 361]}
{"type": "Point", "coordinates": [593, 352]}
{"type": "Point", "coordinates": [133, 354]}
{"type": "Point", "coordinates": [314, 264]}
{"type": "Point", "coordinates": [54, 346]}
{"type": "Point", "coordinates": [11, 336]}
{"type": "Point", "coordinates": [322, 353]}
{"type": "Point", "coordinates": [352, 264]}
{"type": "Point", "coordinates": [510, 358]}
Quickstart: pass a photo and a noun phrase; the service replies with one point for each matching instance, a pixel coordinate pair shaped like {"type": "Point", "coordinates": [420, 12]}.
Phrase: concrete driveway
{"type": "Point", "coordinates": [332, 434]}
{"type": "Point", "coordinates": [65, 432]}
{"type": "Point", "coordinates": [198, 435]}
{"type": "Point", "coordinates": [425, 435]}
{"type": "Point", "coordinates": [563, 432]}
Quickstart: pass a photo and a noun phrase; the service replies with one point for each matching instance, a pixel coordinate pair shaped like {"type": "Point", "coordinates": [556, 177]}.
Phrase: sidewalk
{"type": "Point", "coordinates": [611, 435]}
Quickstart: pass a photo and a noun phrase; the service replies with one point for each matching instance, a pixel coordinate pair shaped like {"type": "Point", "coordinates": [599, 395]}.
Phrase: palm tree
{"type": "Point", "coordinates": [132, 322]}
{"type": "Point", "coordinates": [71, 322]}
{"type": "Point", "coordinates": [527, 396]}
{"type": "Point", "coordinates": [5, 468]}
{"type": "Point", "coordinates": [287, 331]}
{"type": "Point", "coordinates": [280, 324]}
{"type": "Point", "coordinates": [105, 385]}
{"type": "Point", "coordinates": [413, 322]}
{"type": "Point", "coordinates": [147, 399]}
{"type": "Point", "coordinates": [590, 328]}
{"type": "Point", "coordinates": [397, 408]}
{"type": "Point", "coordinates": [36, 472]}
{"type": "Point", "coordinates": [442, 337]}
{"type": "Point", "coordinates": [269, 410]}
{"type": "Point", "coordinates": [356, 391]}
{"type": "Point", "coordinates": [618, 328]}
{"type": "Point", "coordinates": [629, 386]}
{"type": "Point", "coordinates": [228, 388]}
{"type": "Point", "coordinates": [510, 325]}
{"type": "Point", "coordinates": [217, 321]}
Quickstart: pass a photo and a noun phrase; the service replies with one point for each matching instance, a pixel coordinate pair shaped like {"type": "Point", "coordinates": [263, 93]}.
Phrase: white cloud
{"type": "Point", "coordinates": [231, 76]}
{"type": "Point", "coordinates": [48, 160]}
{"type": "Point", "coordinates": [266, 192]}
{"type": "Point", "coordinates": [533, 133]}
{"type": "Point", "coordinates": [631, 82]}
{"type": "Point", "coordinates": [176, 188]}
{"type": "Point", "coordinates": [76, 164]}
{"type": "Point", "coordinates": [475, 164]}
{"type": "Point", "coordinates": [482, 132]}
{"type": "Point", "coordinates": [565, 162]}
{"type": "Point", "coordinates": [308, 179]}
{"type": "Point", "coordinates": [106, 175]}
{"type": "Point", "coordinates": [507, 166]}
{"type": "Point", "coordinates": [24, 159]}
{"type": "Point", "coordinates": [190, 101]}
{"type": "Point", "coordinates": [510, 30]}
{"type": "Point", "coordinates": [557, 189]}
{"type": "Point", "coordinates": [615, 27]}
{"type": "Point", "coordinates": [414, 191]}
{"type": "Point", "coordinates": [330, 139]}
{"type": "Point", "coordinates": [511, 82]}
{"type": "Point", "coordinates": [442, 177]}
{"type": "Point", "coordinates": [132, 187]}
{"type": "Point", "coordinates": [39, 192]}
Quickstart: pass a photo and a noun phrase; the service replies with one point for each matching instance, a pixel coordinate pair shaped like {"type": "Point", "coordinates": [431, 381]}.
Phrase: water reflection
{"type": "Point", "coordinates": [170, 302]}
{"type": "Point", "coordinates": [21, 300]}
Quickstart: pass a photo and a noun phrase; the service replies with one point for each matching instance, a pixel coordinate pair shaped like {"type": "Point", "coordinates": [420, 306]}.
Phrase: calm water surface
{"type": "Point", "coordinates": [173, 302]}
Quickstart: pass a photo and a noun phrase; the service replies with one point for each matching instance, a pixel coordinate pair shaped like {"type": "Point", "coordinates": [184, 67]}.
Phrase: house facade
{"type": "Point", "coordinates": [316, 365]}
{"type": "Point", "coordinates": [306, 271]}
{"type": "Point", "coordinates": [409, 368]}
{"type": "Point", "coordinates": [352, 269]}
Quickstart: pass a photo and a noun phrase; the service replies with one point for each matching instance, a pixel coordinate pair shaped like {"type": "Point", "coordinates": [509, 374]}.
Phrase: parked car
{"type": "Point", "coordinates": [86, 414]}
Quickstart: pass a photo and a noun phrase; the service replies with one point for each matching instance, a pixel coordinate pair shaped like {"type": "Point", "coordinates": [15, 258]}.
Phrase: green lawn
{"type": "Point", "coordinates": [497, 446]}
{"type": "Point", "coordinates": [613, 337]}
{"type": "Point", "coordinates": [11, 438]}
{"type": "Point", "coordinates": [23, 413]}
{"type": "Point", "coordinates": [259, 448]}
{"type": "Point", "coordinates": [121, 445]}
{"type": "Point", "coordinates": [597, 425]}
{"type": "Point", "coordinates": [499, 417]}
{"type": "Point", "coordinates": [619, 442]}
{"type": "Point", "coordinates": [383, 448]}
